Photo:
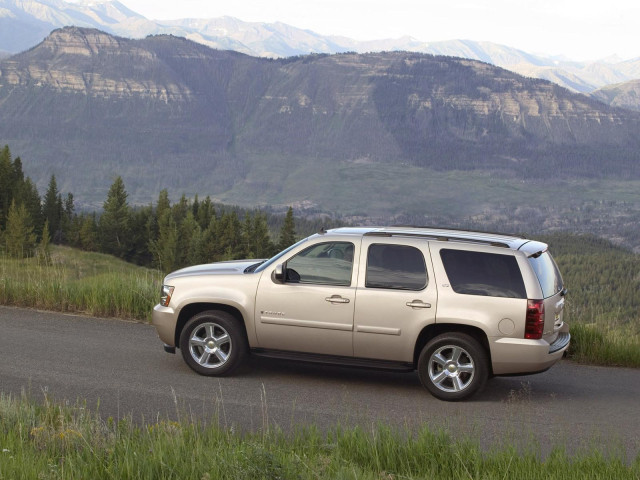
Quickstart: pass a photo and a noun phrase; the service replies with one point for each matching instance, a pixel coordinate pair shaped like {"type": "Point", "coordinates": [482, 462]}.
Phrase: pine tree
{"type": "Point", "coordinates": [209, 243]}
{"type": "Point", "coordinates": [88, 236]}
{"type": "Point", "coordinates": [66, 218]}
{"type": "Point", "coordinates": [206, 211]}
{"type": "Point", "coordinates": [187, 248]}
{"type": "Point", "coordinates": [29, 196]}
{"type": "Point", "coordinates": [6, 173]}
{"type": "Point", "coordinates": [20, 241]}
{"type": "Point", "coordinates": [288, 230]}
{"type": "Point", "coordinates": [256, 236]}
{"type": "Point", "coordinates": [142, 218]}
{"type": "Point", "coordinates": [264, 247]}
{"type": "Point", "coordinates": [229, 237]}
{"type": "Point", "coordinates": [114, 225]}
{"type": "Point", "coordinates": [52, 209]}
{"type": "Point", "coordinates": [164, 248]}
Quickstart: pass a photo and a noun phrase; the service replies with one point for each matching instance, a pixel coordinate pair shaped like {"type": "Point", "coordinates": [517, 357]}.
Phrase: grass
{"type": "Point", "coordinates": [594, 345]}
{"type": "Point", "coordinates": [74, 281]}
{"type": "Point", "coordinates": [52, 441]}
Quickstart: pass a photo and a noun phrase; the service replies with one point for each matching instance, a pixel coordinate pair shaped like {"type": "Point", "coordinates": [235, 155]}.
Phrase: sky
{"type": "Point", "coordinates": [577, 29]}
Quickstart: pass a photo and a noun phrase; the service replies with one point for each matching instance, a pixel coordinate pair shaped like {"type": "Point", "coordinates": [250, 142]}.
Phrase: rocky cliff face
{"type": "Point", "coordinates": [96, 103]}
{"type": "Point", "coordinates": [84, 61]}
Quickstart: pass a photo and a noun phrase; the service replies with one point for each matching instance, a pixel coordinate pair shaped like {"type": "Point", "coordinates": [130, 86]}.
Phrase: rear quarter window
{"type": "Point", "coordinates": [484, 274]}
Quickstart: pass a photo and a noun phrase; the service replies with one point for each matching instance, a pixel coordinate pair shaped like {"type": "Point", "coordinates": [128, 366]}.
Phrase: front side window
{"type": "Point", "coordinates": [328, 263]}
{"type": "Point", "coordinates": [395, 266]}
{"type": "Point", "coordinates": [486, 274]}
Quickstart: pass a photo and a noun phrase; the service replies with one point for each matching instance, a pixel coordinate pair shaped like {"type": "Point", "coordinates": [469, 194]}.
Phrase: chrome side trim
{"type": "Point", "coordinates": [306, 323]}
{"type": "Point", "coordinates": [381, 330]}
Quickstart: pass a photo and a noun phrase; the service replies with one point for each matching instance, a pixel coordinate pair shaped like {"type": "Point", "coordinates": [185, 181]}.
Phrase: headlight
{"type": "Point", "coordinates": [165, 296]}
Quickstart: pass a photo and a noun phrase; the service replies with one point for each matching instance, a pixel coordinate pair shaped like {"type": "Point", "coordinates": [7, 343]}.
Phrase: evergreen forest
{"type": "Point", "coordinates": [165, 236]}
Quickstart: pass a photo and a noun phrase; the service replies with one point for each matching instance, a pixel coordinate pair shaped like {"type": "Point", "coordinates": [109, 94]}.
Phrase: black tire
{"type": "Point", "coordinates": [453, 366]}
{"type": "Point", "coordinates": [213, 343]}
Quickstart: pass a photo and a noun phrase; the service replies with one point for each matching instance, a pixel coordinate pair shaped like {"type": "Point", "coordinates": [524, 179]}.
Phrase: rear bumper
{"type": "Point", "coordinates": [514, 356]}
{"type": "Point", "coordinates": [164, 319]}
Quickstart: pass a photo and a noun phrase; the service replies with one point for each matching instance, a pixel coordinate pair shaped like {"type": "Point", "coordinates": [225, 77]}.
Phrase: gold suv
{"type": "Point", "coordinates": [457, 306]}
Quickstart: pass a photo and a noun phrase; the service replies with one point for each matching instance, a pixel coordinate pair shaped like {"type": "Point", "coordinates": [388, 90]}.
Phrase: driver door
{"type": "Point", "coordinates": [311, 308]}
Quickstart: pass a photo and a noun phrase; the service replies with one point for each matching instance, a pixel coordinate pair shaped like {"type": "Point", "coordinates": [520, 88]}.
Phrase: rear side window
{"type": "Point", "coordinates": [547, 273]}
{"type": "Point", "coordinates": [395, 266]}
{"type": "Point", "coordinates": [486, 274]}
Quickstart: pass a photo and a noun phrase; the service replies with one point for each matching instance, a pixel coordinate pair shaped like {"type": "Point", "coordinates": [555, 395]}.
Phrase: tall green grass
{"type": "Point", "coordinates": [602, 346]}
{"type": "Point", "coordinates": [56, 442]}
{"type": "Point", "coordinates": [70, 280]}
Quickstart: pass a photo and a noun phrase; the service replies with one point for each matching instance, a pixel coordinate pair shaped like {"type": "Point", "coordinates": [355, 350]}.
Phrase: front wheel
{"type": "Point", "coordinates": [453, 366]}
{"type": "Point", "coordinates": [213, 343]}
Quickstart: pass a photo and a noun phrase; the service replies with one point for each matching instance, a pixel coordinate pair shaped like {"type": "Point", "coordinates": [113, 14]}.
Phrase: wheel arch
{"type": "Point", "coordinates": [192, 309]}
{"type": "Point", "coordinates": [435, 329]}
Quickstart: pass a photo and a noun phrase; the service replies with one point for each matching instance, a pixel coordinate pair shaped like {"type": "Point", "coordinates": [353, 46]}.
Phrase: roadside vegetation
{"type": "Point", "coordinates": [46, 440]}
{"type": "Point", "coordinates": [70, 280]}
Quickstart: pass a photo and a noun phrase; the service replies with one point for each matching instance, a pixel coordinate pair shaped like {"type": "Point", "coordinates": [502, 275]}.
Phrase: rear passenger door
{"type": "Point", "coordinates": [396, 297]}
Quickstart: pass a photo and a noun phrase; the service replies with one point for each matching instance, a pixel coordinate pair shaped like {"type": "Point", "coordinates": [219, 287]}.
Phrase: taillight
{"type": "Point", "coordinates": [534, 323]}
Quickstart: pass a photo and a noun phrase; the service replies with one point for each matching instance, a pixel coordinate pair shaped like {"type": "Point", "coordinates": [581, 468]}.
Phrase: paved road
{"type": "Point", "coordinates": [120, 369]}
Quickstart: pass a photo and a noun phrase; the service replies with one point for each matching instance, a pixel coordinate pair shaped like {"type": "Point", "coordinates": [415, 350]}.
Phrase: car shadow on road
{"type": "Point", "coordinates": [497, 389]}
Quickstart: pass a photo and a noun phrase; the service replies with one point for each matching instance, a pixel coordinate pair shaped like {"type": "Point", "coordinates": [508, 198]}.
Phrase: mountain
{"type": "Point", "coordinates": [24, 23]}
{"type": "Point", "coordinates": [375, 133]}
{"type": "Point", "coordinates": [625, 95]}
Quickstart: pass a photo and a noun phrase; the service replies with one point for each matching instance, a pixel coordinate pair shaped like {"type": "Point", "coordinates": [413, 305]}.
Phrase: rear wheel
{"type": "Point", "coordinates": [453, 366]}
{"type": "Point", "coordinates": [213, 343]}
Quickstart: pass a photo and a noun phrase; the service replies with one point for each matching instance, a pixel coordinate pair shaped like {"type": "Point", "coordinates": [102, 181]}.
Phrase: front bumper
{"type": "Point", "coordinates": [164, 319]}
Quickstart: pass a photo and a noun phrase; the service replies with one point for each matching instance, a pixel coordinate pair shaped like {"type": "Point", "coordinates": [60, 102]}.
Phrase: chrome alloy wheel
{"type": "Point", "coordinates": [210, 345]}
{"type": "Point", "coordinates": [451, 368]}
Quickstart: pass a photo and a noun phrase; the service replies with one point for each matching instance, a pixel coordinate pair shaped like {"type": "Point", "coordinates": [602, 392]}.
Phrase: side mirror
{"type": "Point", "coordinates": [278, 273]}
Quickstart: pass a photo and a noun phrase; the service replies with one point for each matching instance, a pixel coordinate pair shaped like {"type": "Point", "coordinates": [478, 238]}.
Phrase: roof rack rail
{"type": "Point", "coordinates": [515, 235]}
{"type": "Point", "coordinates": [440, 238]}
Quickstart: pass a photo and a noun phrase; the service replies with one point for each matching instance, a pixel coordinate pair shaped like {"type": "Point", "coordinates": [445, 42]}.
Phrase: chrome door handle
{"type": "Point", "coordinates": [418, 304]}
{"type": "Point", "coordinates": [337, 299]}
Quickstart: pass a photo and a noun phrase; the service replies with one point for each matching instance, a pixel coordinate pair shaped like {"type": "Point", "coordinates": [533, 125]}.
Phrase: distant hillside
{"type": "Point", "coordinates": [25, 23]}
{"type": "Point", "coordinates": [625, 95]}
{"type": "Point", "coordinates": [340, 132]}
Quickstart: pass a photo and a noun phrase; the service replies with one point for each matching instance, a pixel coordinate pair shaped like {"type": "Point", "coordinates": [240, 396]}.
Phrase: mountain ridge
{"type": "Point", "coordinates": [624, 95]}
{"type": "Point", "coordinates": [37, 18]}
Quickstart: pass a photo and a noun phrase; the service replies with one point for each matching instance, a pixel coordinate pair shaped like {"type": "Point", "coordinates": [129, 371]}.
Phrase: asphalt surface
{"type": "Point", "coordinates": [119, 369]}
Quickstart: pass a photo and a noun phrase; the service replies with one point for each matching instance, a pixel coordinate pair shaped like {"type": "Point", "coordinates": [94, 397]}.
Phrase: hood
{"type": "Point", "coordinates": [233, 267]}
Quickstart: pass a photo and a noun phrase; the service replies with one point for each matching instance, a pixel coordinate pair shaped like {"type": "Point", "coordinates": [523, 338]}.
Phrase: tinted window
{"type": "Point", "coordinates": [547, 273]}
{"type": "Point", "coordinates": [395, 266]}
{"type": "Point", "coordinates": [324, 264]}
{"type": "Point", "coordinates": [487, 274]}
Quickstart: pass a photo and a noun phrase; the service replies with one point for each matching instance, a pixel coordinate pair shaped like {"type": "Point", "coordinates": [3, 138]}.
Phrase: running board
{"type": "Point", "coordinates": [335, 360]}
